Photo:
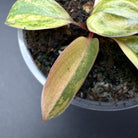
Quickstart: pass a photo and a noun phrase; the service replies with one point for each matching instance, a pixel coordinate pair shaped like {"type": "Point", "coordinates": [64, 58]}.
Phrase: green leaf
{"type": "Point", "coordinates": [67, 75]}
{"type": "Point", "coordinates": [114, 18]}
{"type": "Point", "coordinates": [129, 45]}
{"type": "Point", "coordinates": [37, 14]}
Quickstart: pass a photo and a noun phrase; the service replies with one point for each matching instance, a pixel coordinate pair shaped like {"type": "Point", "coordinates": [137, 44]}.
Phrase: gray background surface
{"type": "Point", "coordinates": [20, 92]}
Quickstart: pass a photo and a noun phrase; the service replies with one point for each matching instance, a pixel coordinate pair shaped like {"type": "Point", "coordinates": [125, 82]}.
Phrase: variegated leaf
{"type": "Point", "coordinates": [129, 45]}
{"type": "Point", "coordinates": [67, 75]}
{"type": "Point", "coordinates": [37, 14]}
{"type": "Point", "coordinates": [114, 18]}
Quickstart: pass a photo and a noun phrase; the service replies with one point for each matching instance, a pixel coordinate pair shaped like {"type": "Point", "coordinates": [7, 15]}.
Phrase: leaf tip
{"type": "Point", "coordinates": [43, 121]}
{"type": "Point", "coordinates": [44, 117]}
{"type": "Point", "coordinates": [43, 114]}
{"type": "Point", "coordinates": [6, 22]}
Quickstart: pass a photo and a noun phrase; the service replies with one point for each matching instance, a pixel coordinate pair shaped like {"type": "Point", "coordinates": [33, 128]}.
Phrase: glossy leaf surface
{"type": "Point", "coordinates": [37, 14]}
{"type": "Point", "coordinates": [67, 75]}
{"type": "Point", "coordinates": [114, 18]}
{"type": "Point", "coordinates": [129, 45]}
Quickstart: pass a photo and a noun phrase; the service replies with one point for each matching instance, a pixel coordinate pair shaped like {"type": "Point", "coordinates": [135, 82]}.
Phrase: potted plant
{"type": "Point", "coordinates": [115, 20]}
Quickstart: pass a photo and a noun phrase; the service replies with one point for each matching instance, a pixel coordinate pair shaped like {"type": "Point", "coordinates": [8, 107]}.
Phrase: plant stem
{"type": "Point", "coordinates": [84, 27]}
{"type": "Point", "coordinates": [81, 25]}
{"type": "Point", "coordinates": [91, 34]}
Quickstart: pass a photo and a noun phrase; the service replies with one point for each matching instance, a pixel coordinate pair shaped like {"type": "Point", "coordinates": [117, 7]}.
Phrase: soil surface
{"type": "Point", "coordinates": [112, 78]}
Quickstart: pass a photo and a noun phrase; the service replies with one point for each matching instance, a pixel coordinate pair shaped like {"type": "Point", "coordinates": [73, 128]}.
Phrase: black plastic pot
{"type": "Point", "coordinates": [87, 104]}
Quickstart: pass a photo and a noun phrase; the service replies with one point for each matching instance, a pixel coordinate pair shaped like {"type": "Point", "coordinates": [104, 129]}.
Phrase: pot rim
{"type": "Point", "coordinates": [87, 104]}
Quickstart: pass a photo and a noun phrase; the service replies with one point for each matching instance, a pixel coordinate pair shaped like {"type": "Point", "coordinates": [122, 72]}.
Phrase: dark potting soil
{"type": "Point", "coordinates": [112, 78]}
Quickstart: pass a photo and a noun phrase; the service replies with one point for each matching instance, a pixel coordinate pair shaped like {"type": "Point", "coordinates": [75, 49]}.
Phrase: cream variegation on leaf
{"type": "Point", "coordinates": [67, 75]}
{"type": "Point", "coordinates": [129, 46]}
{"type": "Point", "coordinates": [37, 14]}
{"type": "Point", "coordinates": [114, 18]}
